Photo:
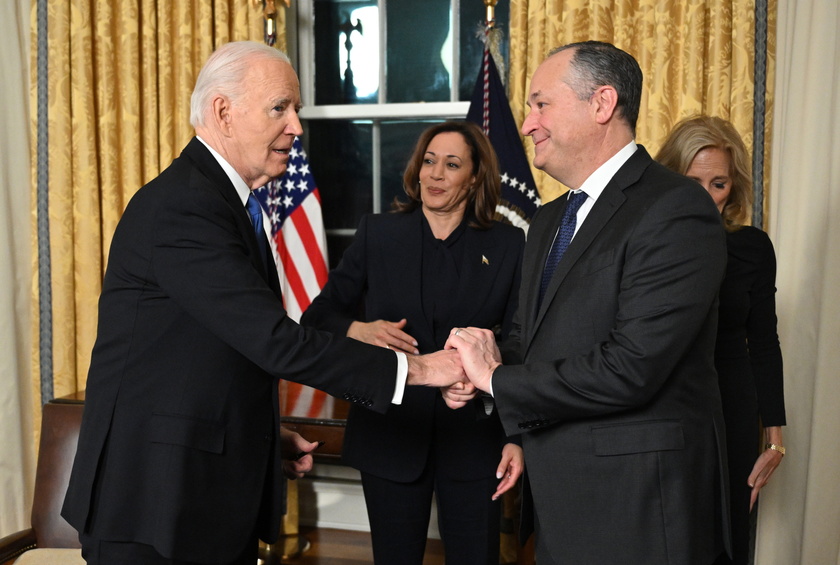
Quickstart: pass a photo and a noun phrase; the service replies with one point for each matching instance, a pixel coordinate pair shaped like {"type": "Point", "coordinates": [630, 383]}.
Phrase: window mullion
{"type": "Point", "coordinates": [376, 165]}
{"type": "Point", "coordinates": [383, 49]}
{"type": "Point", "coordinates": [455, 75]}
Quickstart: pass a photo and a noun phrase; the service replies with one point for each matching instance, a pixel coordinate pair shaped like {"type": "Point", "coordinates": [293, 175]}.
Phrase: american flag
{"type": "Point", "coordinates": [293, 205]}
{"type": "Point", "coordinates": [489, 108]}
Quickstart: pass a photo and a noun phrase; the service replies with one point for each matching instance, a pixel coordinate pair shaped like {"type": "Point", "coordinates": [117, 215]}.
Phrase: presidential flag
{"type": "Point", "coordinates": [299, 244]}
{"type": "Point", "coordinates": [489, 108]}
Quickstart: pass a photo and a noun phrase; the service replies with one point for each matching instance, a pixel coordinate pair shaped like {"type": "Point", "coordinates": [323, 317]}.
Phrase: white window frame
{"type": "Point", "coordinates": [301, 45]}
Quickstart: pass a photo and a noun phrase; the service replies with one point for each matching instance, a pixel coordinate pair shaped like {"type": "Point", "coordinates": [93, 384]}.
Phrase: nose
{"type": "Point", "coordinates": [437, 170]}
{"type": "Point", "coordinates": [294, 126]}
{"type": "Point", "coordinates": [530, 123]}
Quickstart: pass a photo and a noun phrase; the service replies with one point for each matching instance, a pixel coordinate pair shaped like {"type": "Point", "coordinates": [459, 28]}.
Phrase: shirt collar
{"type": "Point", "coordinates": [597, 181]}
{"type": "Point", "coordinates": [239, 184]}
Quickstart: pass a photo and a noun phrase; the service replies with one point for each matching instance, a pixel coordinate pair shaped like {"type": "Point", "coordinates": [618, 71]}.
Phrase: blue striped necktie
{"type": "Point", "coordinates": [562, 240]}
{"type": "Point", "coordinates": [255, 211]}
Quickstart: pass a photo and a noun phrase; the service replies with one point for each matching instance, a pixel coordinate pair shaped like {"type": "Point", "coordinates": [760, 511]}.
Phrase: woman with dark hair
{"type": "Point", "coordinates": [748, 358]}
{"type": "Point", "coordinates": [438, 261]}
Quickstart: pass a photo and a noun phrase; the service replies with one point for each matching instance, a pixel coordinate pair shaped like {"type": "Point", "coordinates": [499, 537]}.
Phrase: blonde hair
{"type": "Point", "coordinates": [692, 135]}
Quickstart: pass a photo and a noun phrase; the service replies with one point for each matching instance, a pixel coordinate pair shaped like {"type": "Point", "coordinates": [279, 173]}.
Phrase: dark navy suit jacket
{"type": "Point", "coordinates": [179, 442]}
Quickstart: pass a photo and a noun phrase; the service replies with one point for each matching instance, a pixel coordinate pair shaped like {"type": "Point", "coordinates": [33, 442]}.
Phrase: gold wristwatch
{"type": "Point", "coordinates": [774, 447]}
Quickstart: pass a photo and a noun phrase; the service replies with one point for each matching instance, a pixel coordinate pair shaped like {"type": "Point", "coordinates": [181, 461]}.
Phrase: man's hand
{"type": "Point", "coordinates": [384, 334]}
{"type": "Point", "coordinates": [439, 369]}
{"type": "Point", "coordinates": [458, 395]}
{"type": "Point", "coordinates": [292, 445]}
{"type": "Point", "coordinates": [479, 354]}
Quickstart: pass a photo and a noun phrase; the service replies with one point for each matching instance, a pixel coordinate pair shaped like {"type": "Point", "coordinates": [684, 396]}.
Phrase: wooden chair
{"type": "Point", "coordinates": [50, 539]}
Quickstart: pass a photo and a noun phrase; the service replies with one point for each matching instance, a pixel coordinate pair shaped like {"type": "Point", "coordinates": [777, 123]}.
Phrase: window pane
{"type": "Point", "coordinates": [334, 20]}
{"type": "Point", "coordinates": [418, 64]}
{"type": "Point", "coordinates": [340, 157]}
{"type": "Point", "coordinates": [398, 140]}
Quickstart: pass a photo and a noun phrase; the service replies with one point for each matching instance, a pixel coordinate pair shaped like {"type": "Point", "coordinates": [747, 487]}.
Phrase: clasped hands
{"type": "Point", "coordinates": [479, 357]}
{"type": "Point", "coordinates": [460, 370]}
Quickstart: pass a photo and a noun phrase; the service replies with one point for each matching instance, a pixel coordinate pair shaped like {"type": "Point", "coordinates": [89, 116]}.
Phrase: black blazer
{"type": "Point", "coordinates": [616, 394]}
{"type": "Point", "coordinates": [381, 271]}
{"type": "Point", "coordinates": [179, 443]}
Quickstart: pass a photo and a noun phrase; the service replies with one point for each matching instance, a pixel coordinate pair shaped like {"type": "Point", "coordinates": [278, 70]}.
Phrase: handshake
{"type": "Point", "coordinates": [461, 369]}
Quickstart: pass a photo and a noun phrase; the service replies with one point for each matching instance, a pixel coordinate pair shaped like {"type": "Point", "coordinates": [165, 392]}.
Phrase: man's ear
{"type": "Point", "coordinates": [604, 103]}
{"type": "Point", "coordinates": [220, 113]}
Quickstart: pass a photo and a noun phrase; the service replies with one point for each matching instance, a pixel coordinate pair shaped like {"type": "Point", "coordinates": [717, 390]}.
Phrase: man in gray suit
{"type": "Point", "coordinates": [610, 378]}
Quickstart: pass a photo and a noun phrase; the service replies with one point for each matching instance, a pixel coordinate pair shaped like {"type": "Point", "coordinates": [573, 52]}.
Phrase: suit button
{"type": "Point", "coordinates": [368, 403]}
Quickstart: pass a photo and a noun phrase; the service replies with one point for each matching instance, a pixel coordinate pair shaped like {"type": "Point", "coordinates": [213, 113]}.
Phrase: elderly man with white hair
{"type": "Point", "coordinates": [181, 456]}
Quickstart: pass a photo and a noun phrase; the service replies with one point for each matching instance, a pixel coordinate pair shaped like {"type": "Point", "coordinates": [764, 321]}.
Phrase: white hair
{"type": "Point", "coordinates": [224, 73]}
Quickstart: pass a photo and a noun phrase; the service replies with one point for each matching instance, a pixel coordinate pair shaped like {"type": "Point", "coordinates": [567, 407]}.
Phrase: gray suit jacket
{"type": "Point", "coordinates": [615, 389]}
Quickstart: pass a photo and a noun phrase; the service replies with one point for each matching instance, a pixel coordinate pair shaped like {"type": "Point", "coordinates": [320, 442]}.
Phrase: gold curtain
{"type": "Point", "coordinates": [120, 75]}
{"type": "Point", "coordinates": [697, 56]}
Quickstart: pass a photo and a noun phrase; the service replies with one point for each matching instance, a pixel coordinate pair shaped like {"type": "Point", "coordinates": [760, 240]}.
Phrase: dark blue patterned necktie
{"type": "Point", "coordinates": [561, 242]}
{"type": "Point", "coordinates": [255, 211]}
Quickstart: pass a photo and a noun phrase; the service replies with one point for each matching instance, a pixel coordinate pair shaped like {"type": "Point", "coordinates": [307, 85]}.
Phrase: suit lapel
{"type": "Point", "coordinates": [403, 262]}
{"type": "Point", "coordinates": [481, 262]}
{"type": "Point", "coordinates": [207, 164]}
{"type": "Point", "coordinates": [605, 207]}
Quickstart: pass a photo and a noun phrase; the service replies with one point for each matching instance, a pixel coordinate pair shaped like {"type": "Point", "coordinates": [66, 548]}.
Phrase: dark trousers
{"type": "Point", "coordinates": [399, 514]}
{"type": "Point", "coordinates": [104, 552]}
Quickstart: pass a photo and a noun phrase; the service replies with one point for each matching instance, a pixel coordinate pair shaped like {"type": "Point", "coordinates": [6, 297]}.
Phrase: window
{"type": "Point", "coordinates": [373, 75]}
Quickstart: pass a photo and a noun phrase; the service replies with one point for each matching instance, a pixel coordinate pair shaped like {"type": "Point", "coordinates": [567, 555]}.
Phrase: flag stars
{"type": "Point", "coordinates": [287, 202]}
{"type": "Point", "coordinates": [304, 169]}
{"type": "Point", "coordinates": [290, 184]}
{"type": "Point", "coordinates": [302, 185]}
{"type": "Point", "coordinates": [505, 178]}
{"type": "Point", "coordinates": [291, 169]}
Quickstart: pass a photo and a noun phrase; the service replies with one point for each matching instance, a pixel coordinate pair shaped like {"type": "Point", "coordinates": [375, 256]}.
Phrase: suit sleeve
{"type": "Point", "coordinates": [668, 269]}
{"type": "Point", "coordinates": [763, 339]}
{"type": "Point", "coordinates": [201, 261]}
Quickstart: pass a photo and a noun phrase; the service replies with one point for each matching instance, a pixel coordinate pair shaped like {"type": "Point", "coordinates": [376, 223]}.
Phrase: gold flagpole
{"type": "Point", "coordinates": [490, 18]}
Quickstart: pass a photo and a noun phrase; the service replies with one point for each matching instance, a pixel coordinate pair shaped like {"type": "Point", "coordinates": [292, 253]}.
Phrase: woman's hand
{"type": "Point", "coordinates": [384, 334]}
{"type": "Point", "coordinates": [766, 463]}
{"type": "Point", "coordinates": [509, 469]}
{"type": "Point", "coordinates": [458, 395]}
